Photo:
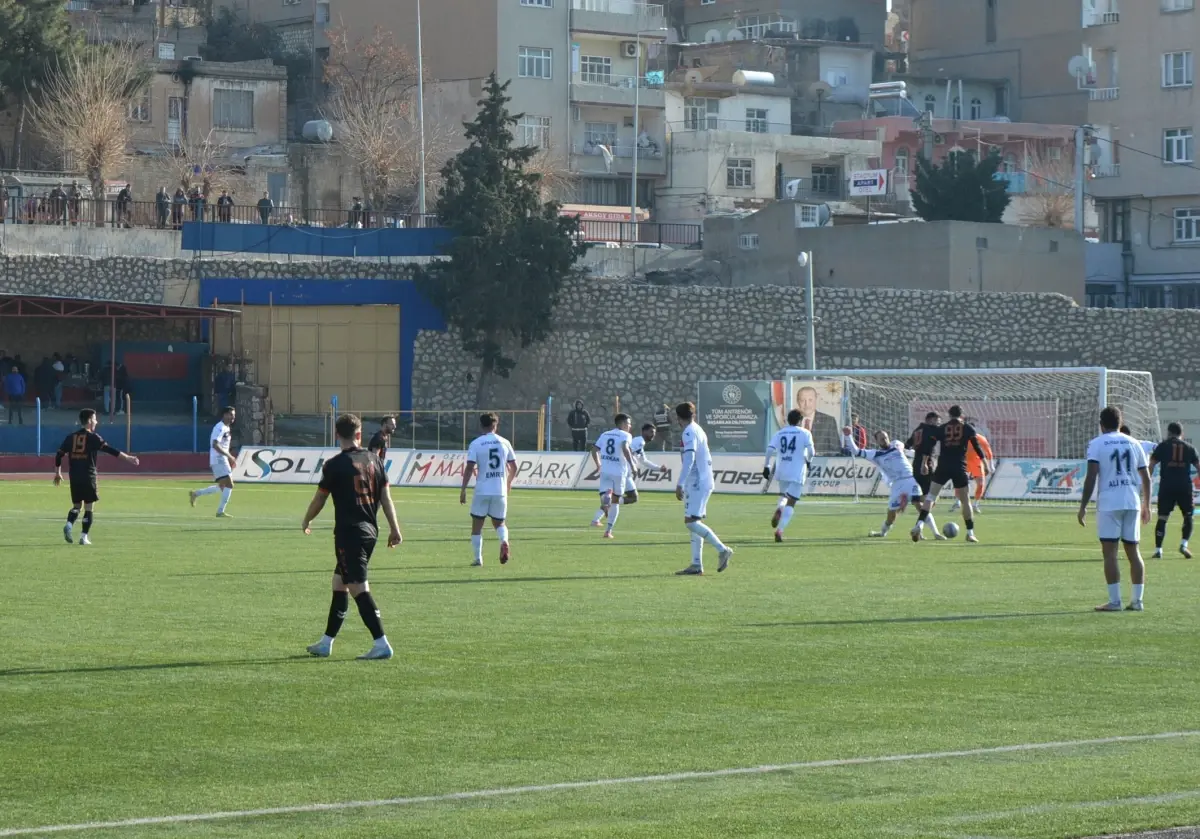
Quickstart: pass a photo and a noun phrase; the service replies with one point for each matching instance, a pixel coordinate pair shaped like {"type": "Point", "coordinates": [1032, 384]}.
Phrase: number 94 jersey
{"type": "Point", "coordinates": [1119, 457]}
{"type": "Point", "coordinates": [491, 454]}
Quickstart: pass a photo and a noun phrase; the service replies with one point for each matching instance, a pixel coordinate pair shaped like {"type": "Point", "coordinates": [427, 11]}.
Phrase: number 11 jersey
{"type": "Point", "coordinates": [1119, 456]}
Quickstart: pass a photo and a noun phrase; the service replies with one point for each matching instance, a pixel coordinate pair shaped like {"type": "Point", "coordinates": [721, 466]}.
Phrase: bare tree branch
{"type": "Point", "coordinates": [83, 111]}
{"type": "Point", "coordinates": [1049, 200]}
{"type": "Point", "coordinates": [203, 162]}
{"type": "Point", "coordinates": [557, 180]}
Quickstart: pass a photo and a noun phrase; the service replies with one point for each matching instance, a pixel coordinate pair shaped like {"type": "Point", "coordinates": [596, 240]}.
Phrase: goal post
{"type": "Point", "coordinates": [1025, 412]}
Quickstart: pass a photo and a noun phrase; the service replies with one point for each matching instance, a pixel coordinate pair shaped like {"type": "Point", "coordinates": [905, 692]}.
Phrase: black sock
{"type": "Point", "coordinates": [1160, 531]}
{"type": "Point", "coordinates": [1187, 528]}
{"type": "Point", "coordinates": [970, 523]}
{"type": "Point", "coordinates": [337, 612]}
{"type": "Point", "coordinates": [369, 614]}
{"type": "Point", "coordinates": [87, 521]}
{"type": "Point", "coordinates": [71, 516]}
{"type": "Point", "coordinates": [923, 515]}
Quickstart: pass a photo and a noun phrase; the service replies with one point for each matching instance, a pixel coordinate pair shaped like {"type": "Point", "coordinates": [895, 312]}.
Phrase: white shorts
{"type": "Point", "coordinates": [792, 489]}
{"type": "Point", "coordinates": [695, 501]}
{"type": "Point", "coordinates": [220, 469]}
{"type": "Point", "coordinates": [905, 486]}
{"type": "Point", "coordinates": [490, 506]}
{"type": "Point", "coordinates": [630, 486]}
{"type": "Point", "coordinates": [1125, 525]}
{"type": "Point", "coordinates": [612, 483]}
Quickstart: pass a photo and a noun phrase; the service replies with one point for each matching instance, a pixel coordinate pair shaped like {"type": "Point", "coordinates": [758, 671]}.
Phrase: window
{"type": "Point", "coordinates": [837, 77]}
{"type": "Point", "coordinates": [1150, 296]}
{"type": "Point", "coordinates": [757, 26]}
{"type": "Point", "coordinates": [930, 103]}
{"type": "Point", "coordinates": [1187, 224]}
{"type": "Point", "coordinates": [809, 215]}
{"type": "Point", "coordinates": [139, 111]}
{"type": "Point", "coordinates": [739, 173]}
{"type": "Point", "coordinates": [700, 114]}
{"type": "Point", "coordinates": [707, 2]}
{"type": "Point", "coordinates": [534, 131]}
{"type": "Point", "coordinates": [1178, 5]}
{"type": "Point", "coordinates": [1185, 296]}
{"type": "Point", "coordinates": [600, 134]}
{"type": "Point", "coordinates": [990, 24]}
{"type": "Point", "coordinates": [595, 69]}
{"type": "Point", "coordinates": [901, 166]}
{"type": "Point", "coordinates": [1177, 145]}
{"type": "Point", "coordinates": [956, 109]}
{"type": "Point", "coordinates": [1010, 163]}
{"type": "Point", "coordinates": [541, 4]}
{"type": "Point", "coordinates": [233, 109]}
{"type": "Point", "coordinates": [826, 180]}
{"type": "Point", "coordinates": [534, 62]}
{"type": "Point", "coordinates": [323, 14]}
{"type": "Point", "coordinates": [748, 241]}
{"type": "Point", "coordinates": [1177, 69]}
{"type": "Point", "coordinates": [1054, 153]}
{"type": "Point", "coordinates": [976, 109]}
{"type": "Point", "coordinates": [756, 120]}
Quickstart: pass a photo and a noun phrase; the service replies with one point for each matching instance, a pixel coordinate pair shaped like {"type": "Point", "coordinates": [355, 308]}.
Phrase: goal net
{"type": "Point", "coordinates": [1027, 415]}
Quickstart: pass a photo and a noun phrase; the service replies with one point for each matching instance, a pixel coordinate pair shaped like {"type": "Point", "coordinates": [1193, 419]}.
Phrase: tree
{"type": "Point", "coordinates": [201, 162]}
{"type": "Point", "coordinates": [1049, 197]}
{"type": "Point", "coordinates": [511, 252]}
{"type": "Point", "coordinates": [84, 110]}
{"type": "Point", "coordinates": [372, 102]}
{"type": "Point", "coordinates": [35, 36]}
{"type": "Point", "coordinates": [961, 189]}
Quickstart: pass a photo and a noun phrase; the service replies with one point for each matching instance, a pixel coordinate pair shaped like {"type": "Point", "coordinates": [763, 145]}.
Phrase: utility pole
{"type": "Point", "coordinates": [1082, 133]}
{"type": "Point", "coordinates": [926, 125]}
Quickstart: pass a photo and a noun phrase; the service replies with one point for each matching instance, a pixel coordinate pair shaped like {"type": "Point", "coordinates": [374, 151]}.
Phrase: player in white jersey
{"type": "Point", "coordinates": [221, 461]}
{"type": "Point", "coordinates": [1117, 463]}
{"type": "Point", "coordinates": [896, 469]}
{"type": "Point", "coordinates": [612, 454]}
{"type": "Point", "coordinates": [1148, 446]}
{"type": "Point", "coordinates": [492, 458]}
{"type": "Point", "coordinates": [793, 449]}
{"type": "Point", "coordinates": [694, 487]}
{"type": "Point", "coordinates": [638, 449]}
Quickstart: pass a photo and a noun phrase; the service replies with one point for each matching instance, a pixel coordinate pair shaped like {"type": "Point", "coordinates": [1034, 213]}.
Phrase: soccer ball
{"type": "Point", "coordinates": [950, 530]}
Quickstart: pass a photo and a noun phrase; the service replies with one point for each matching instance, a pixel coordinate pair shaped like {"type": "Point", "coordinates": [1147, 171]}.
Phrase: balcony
{"type": "Point", "coordinates": [1100, 12]}
{"type": "Point", "coordinates": [605, 89]}
{"type": "Point", "coordinates": [624, 18]}
{"type": "Point", "coordinates": [1103, 94]}
{"type": "Point", "coordinates": [588, 159]}
{"type": "Point", "coordinates": [1105, 170]}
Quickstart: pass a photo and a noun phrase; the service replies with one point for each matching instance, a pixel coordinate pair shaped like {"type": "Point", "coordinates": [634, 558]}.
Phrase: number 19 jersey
{"type": "Point", "coordinates": [491, 454]}
{"type": "Point", "coordinates": [1119, 457]}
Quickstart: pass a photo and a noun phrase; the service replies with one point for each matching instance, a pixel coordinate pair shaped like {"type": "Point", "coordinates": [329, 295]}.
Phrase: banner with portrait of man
{"type": "Point", "coordinates": [821, 404]}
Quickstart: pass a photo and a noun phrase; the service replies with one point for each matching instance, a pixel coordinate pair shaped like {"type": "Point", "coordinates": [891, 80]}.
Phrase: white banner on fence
{"type": "Point", "coordinates": [535, 470]}
{"type": "Point", "coordinates": [287, 465]}
{"type": "Point", "coordinates": [841, 476]}
{"type": "Point", "coordinates": [1038, 480]}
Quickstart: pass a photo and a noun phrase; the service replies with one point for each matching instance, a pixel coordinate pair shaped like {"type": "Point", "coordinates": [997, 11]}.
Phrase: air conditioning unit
{"type": "Point", "coordinates": [629, 49]}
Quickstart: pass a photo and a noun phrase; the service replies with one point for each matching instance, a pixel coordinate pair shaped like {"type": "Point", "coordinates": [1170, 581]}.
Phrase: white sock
{"type": "Point", "coordinates": [212, 490]}
{"type": "Point", "coordinates": [1183, 543]}
{"type": "Point", "coordinates": [883, 531]}
{"type": "Point", "coordinates": [932, 524]}
{"type": "Point", "coordinates": [705, 532]}
{"type": "Point", "coordinates": [1138, 588]}
{"type": "Point", "coordinates": [788, 512]}
{"type": "Point", "coordinates": [502, 533]}
{"type": "Point", "coordinates": [1114, 592]}
{"type": "Point", "coordinates": [477, 547]}
{"type": "Point", "coordinates": [782, 502]}
{"type": "Point", "coordinates": [225, 493]}
{"type": "Point", "coordinates": [613, 512]}
{"type": "Point", "coordinates": [326, 641]}
{"type": "Point", "coordinates": [599, 516]}
{"type": "Point", "coordinates": [382, 641]}
{"type": "Point", "coordinates": [697, 549]}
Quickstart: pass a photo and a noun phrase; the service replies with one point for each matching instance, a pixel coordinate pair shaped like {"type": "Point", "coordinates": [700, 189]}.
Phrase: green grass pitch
{"type": "Point", "coordinates": [161, 672]}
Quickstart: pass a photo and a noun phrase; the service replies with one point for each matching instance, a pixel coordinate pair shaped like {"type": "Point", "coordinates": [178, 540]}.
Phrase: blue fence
{"type": "Point", "coordinates": [314, 241]}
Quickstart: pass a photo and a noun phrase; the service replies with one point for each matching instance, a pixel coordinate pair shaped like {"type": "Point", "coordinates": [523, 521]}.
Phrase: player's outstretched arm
{"type": "Point", "coordinates": [1089, 486]}
{"type": "Point", "coordinates": [848, 444]}
{"type": "Point", "coordinates": [314, 509]}
{"type": "Point", "coordinates": [120, 455]}
{"type": "Point", "coordinates": [389, 512]}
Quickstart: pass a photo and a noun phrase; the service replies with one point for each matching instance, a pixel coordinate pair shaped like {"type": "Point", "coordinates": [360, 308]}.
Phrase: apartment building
{"type": "Point", "coordinates": [577, 69]}
{"type": "Point", "coordinates": [1140, 77]}
{"type": "Point", "coordinates": [1026, 43]}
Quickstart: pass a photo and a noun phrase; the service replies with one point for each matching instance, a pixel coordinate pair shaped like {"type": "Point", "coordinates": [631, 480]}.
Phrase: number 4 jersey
{"type": "Point", "coordinates": [491, 454]}
{"type": "Point", "coordinates": [1119, 458]}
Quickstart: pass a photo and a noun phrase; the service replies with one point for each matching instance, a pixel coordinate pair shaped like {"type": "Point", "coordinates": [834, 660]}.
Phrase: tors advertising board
{"type": "Point", "coordinates": [283, 465]}
{"type": "Point", "coordinates": [734, 415]}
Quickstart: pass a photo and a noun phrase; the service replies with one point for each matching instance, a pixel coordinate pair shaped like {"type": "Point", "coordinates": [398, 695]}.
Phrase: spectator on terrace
{"type": "Point", "coordinates": [225, 207]}
{"type": "Point", "coordinates": [124, 204]}
{"type": "Point", "coordinates": [265, 208]}
{"type": "Point", "coordinates": [14, 392]}
{"type": "Point", "coordinates": [177, 204]}
{"type": "Point", "coordinates": [162, 206]}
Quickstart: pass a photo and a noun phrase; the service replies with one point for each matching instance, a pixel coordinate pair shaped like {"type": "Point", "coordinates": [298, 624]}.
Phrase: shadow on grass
{"type": "Point", "coordinates": [328, 572]}
{"type": "Point", "coordinates": [166, 665]}
{"type": "Point", "coordinates": [1091, 559]}
{"type": "Point", "coordinates": [485, 580]}
{"type": "Point", "coordinates": [934, 619]}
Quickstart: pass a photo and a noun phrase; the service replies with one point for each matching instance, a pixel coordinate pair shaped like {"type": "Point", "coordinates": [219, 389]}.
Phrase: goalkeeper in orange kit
{"type": "Point", "coordinates": [975, 469]}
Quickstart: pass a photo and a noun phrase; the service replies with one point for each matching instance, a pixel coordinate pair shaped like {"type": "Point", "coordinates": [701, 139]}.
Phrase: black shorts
{"type": "Point", "coordinates": [923, 481]}
{"type": "Point", "coordinates": [353, 554]}
{"type": "Point", "coordinates": [1169, 499]}
{"type": "Point", "coordinates": [83, 491]}
{"type": "Point", "coordinates": [954, 474]}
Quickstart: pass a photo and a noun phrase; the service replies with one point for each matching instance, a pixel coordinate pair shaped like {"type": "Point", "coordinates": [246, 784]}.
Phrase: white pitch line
{"type": "Point", "coordinates": [500, 792]}
{"type": "Point", "coordinates": [1042, 809]}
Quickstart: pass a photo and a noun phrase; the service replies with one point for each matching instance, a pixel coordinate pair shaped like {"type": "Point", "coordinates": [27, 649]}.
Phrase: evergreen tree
{"type": "Point", "coordinates": [961, 189]}
{"type": "Point", "coordinates": [34, 36]}
{"type": "Point", "coordinates": [511, 253]}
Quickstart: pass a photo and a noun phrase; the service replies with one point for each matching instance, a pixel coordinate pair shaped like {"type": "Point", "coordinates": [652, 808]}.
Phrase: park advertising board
{"type": "Point", "coordinates": [1024, 429]}
{"type": "Point", "coordinates": [295, 465]}
{"type": "Point", "coordinates": [734, 415]}
{"type": "Point", "coordinates": [535, 470]}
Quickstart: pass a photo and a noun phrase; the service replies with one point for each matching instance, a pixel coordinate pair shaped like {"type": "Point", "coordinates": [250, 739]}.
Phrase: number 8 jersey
{"type": "Point", "coordinates": [1119, 458]}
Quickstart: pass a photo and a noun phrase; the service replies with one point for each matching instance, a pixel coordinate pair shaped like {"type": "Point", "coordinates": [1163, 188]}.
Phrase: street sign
{"type": "Point", "coordinates": [869, 182]}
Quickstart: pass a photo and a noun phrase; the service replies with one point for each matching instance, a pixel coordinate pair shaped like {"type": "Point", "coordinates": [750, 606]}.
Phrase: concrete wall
{"type": "Point", "coordinates": [683, 335]}
{"type": "Point", "coordinates": [943, 256]}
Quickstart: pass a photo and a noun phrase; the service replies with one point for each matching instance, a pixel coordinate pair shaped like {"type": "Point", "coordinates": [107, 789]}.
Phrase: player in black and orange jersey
{"type": "Point", "coordinates": [953, 437]}
{"type": "Point", "coordinates": [357, 481]}
{"type": "Point", "coordinates": [382, 438]}
{"type": "Point", "coordinates": [922, 442]}
{"type": "Point", "coordinates": [1175, 458]}
{"type": "Point", "coordinates": [81, 449]}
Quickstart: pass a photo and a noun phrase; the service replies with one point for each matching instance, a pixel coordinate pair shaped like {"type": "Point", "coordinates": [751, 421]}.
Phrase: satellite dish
{"type": "Point", "coordinates": [693, 77]}
{"type": "Point", "coordinates": [1078, 66]}
{"type": "Point", "coordinates": [734, 35]}
{"type": "Point", "coordinates": [712, 36]}
{"type": "Point", "coordinates": [819, 90]}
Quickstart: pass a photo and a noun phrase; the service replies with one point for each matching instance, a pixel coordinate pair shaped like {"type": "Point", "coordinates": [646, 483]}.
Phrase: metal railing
{"type": "Point", "coordinates": [427, 430]}
{"type": "Point", "coordinates": [654, 150]}
{"type": "Point", "coordinates": [1103, 94]}
{"type": "Point", "coordinates": [612, 80]}
{"type": "Point", "coordinates": [643, 233]}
